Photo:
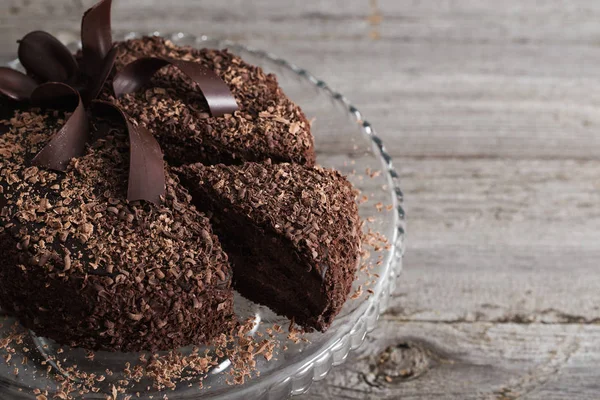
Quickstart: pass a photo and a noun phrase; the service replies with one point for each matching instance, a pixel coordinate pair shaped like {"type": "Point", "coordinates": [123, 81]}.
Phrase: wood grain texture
{"type": "Point", "coordinates": [491, 112]}
{"type": "Point", "coordinates": [425, 360]}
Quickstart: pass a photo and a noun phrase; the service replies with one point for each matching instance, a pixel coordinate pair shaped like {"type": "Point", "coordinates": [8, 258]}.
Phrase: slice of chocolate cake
{"type": "Point", "coordinates": [268, 125]}
{"type": "Point", "coordinates": [85, 267]}
{"type": "Point", "coordinates": [291, 232]}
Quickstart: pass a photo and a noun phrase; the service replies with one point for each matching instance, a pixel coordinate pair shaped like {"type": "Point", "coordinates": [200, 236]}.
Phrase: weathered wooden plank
{"type": "Point", "coordinates": [465, 21]}
{"type": "Point", "coordinates": [502, 202]}
{"type": "Point", "coordinates": [416, 360]}
{"type": "Point", "coordinates": [500, 246]}
{"type": "Point", "coordinates": [498, 240]}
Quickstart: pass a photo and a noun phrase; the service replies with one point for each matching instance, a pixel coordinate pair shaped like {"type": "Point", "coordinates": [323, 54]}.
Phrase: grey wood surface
{"type": "Point", "coordinates": [490, 109]}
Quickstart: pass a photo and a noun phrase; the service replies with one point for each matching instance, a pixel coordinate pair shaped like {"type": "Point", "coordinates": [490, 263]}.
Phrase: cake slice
{"type": "Point", "coordinates": [268, 125]}
{"type": "Point", "coordinates": [85, 267]}
{"type": "Point", "coordinates": [292, 234]}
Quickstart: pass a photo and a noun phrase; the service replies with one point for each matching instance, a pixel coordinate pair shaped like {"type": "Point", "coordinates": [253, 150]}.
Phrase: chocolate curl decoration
{"type": "Point", "coordinates": [46, 58]}
{"type": "Point", "coordinates": [69, 142]}
{"type": "Point", "coordinates": [96, 38]}
{"type": "Point", "coordinates": [146, 167]}
{"type": "Point", "coordinates": [16, 85]}
{"type": "Point", "coordinates": [97, 82]}
{"type": "Point", "coordinates": [139, 72]}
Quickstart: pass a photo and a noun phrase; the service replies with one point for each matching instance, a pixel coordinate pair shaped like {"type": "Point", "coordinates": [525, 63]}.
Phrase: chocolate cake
{"type": "Point", "coordinates": [85, 267]}
{"type": "Point", "coordinates": [292, 234]}
{"type": "Point", "coordinates": [102, 245]}
{"type": "Point", "coordinates": [268, 125]}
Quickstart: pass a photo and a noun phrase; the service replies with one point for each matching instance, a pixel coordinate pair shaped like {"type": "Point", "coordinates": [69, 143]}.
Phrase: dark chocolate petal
{"type": "Point", "coordinates": [96, 39]}
{"type": "Point", "coordinates": [146, 167]}
{"type": "Point", "coordinates": [98, 81]}
{"type": "Point", "coordinates": [215, 90]}
{"type": "Point", "coordinates": [69, 141]}
{"type": "Point", "coordinates": [15, 84]}
{"type": "Point", "coordinates": [45, 57]}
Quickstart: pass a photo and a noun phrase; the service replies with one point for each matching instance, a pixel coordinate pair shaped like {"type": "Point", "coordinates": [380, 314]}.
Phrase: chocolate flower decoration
{"type": "Point", "coordinates": [57, 79]}
{"type": "Point", "coordinates": [46, 59]}
{"type": "Point", "coordinates": [146, 169]}
{"type": "Point", "coordinates": [15, 84]}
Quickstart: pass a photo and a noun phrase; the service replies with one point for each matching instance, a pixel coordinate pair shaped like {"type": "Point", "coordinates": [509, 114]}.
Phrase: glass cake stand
{"type": "Point", "coordinates": [345, 141]}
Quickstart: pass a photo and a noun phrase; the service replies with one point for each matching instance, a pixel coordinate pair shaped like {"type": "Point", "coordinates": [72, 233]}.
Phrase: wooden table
{"type": "Point", "coordinates": [490, 109]}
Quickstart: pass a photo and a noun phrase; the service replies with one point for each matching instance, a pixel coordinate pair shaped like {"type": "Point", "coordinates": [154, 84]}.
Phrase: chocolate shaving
{"type": "Point", "coordinates": [69, 141]}
{"type": "Point", "coordinates": [45, 57]}
{"type": "Point", "coordinates": [216, 92]}
{"type": "Point", "coordinates": [146, 167]}
{"type": "Point", "coordinates": [15, 84]}
{"type": "Point", "coordinates": [96, 39]}
{"type": "Point", "coordinates": [98, 81]}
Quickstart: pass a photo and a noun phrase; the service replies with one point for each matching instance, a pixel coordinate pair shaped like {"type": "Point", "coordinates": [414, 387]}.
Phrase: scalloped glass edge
{"type": "Point", "coordinates": [336, 351]}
